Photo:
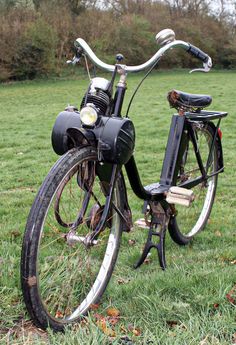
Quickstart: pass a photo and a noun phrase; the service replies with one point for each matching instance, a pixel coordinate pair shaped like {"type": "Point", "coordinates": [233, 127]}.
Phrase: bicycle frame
{"type": "Point", "coordinates": [181, 127]}
{"type": "Point", "coordinates": [105, 135]}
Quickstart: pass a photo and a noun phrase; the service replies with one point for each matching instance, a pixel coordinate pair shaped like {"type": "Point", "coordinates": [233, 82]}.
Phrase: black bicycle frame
{"type": "Point", "coordinates": [181, 130]}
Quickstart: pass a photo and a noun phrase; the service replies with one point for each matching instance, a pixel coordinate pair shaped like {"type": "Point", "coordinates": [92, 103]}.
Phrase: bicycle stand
{"type": "Point", "coordinates": [159, 220]}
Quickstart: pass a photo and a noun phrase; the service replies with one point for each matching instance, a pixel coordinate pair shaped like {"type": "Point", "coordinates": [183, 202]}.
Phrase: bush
{"type": "Point", "coordinates": [36, 52]}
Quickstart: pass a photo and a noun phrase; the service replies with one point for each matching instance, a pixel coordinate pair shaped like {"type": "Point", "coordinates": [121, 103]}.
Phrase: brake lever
{"type": "Point", "coordinates": [74, 61]}
{"type": "Point", "coordinates": [206, 67]}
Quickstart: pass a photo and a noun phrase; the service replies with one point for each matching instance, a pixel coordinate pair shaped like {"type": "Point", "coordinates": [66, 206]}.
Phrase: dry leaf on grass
{"type": "Point", "coordinates": [216, 305]}
{"type": "Point", "coordinates": [113, 320]}
{"type": "Point", "coordinates": [59, 315]}
{"type": "Point", "coordinates": [172, 323]}
{"type": "Point", "coordinates": [136, 331]}
{"type": "Point", "coordinates": [94, 306]}
{"type": "Point", "coordinates": [231, 295]}
{"type": "Point", "coordinates": [113, 312]}
{"type": "Point", "coordinates": [122, 281]}
{"type": "Point", "coordinates": [102, 324]}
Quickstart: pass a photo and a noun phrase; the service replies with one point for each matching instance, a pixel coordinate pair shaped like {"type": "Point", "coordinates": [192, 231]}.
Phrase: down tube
{"type": "Point", "coordinates": [134, 180]}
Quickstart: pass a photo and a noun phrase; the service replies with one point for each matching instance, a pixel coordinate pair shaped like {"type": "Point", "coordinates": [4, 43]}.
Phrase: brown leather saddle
{"type": "Point", "coordinates": [186, 101]}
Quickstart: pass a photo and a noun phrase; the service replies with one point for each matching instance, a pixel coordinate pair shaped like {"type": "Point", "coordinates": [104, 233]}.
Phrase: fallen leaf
{"type": "Point", "coordinates": [136, 331]}
{"type": "Point", "coordinates": [233, 262]}
{"type": "Point", "coordinates": [216, 305]}
{"type": "Point", "coordinates": [59, 315]}
{"type": "Point", "coordinates": [102, 324]}
{"type": "Point", "coordinates": [120, 281]}
{"type": "Point", "coordinates": [99, 316]}
{"type": "Point", "coordinates": [218, 233]}
{"type": "Point", "coordinates": [234, 338]}
{"type": "Point", "coordinates": [94, 306]}
{"type": "Point", "coordinates": [113, 320]}
{"type": "Point", "coordinates": [172, 323]}
{"type": "Point", "coordinates": [231, 295]}
{"type": "Point", "coordinates": [113, 312]}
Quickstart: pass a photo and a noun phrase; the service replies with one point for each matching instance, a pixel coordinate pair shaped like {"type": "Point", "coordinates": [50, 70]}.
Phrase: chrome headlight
{"type": "Point", "coordinates": [89, 115]}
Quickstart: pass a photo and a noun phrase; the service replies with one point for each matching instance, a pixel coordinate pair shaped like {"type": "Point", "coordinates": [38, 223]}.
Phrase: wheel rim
{"type": "Point", "coordinates": [71, 278]}
{"type": "Point", "coordinates": [192, 219]}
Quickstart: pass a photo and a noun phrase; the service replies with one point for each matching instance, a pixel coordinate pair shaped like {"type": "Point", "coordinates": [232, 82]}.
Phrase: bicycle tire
{"type": "Point", "coordinates": [190, 221]}
{"type": "Point", "coordinates": [60, 282]}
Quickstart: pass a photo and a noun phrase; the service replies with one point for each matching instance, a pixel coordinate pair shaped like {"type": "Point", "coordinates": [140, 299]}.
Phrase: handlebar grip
{"type": "Point", "coordinates": [198, 53]}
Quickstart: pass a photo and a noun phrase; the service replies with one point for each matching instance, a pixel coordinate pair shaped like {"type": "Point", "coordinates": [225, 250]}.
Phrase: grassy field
{"type": "Point", "coordinates": [194, 300]}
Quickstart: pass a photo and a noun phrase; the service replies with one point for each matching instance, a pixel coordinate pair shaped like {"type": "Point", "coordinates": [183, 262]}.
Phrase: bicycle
{"type": "Point", "coordinates": [74, 228]}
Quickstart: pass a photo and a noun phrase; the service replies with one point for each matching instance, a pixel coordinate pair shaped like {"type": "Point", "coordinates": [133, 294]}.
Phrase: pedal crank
{"type": "Point", "coordinates": [157, 229]}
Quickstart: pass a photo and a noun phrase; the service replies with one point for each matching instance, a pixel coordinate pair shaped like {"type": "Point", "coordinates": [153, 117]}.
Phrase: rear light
{"type": "Point", "coordinates": [220, 133]}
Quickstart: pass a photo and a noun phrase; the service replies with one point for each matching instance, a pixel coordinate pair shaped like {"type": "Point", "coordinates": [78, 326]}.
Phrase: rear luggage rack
{"type": "Point", "coordinates": [205, 115]}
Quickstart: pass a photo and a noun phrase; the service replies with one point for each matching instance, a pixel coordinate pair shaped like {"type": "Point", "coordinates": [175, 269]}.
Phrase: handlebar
{"type": "Point", "coordinates": [196, 52]}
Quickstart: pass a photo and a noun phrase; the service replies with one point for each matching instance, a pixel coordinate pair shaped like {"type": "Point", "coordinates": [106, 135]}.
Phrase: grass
{"type": "Point", "coordinates": [188, 303]}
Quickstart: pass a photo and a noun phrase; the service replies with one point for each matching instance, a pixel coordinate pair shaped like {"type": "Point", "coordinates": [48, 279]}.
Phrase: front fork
{"type": "Point", "coordinates": [108, 176]}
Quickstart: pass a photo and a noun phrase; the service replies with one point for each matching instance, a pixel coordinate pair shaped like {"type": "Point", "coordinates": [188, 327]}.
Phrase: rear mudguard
{"type": "Point", "coordinates": [220, 159]}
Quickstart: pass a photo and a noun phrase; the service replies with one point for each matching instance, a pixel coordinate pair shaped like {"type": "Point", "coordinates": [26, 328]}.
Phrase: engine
{"type": "Point", "coordinates": [99, 95]}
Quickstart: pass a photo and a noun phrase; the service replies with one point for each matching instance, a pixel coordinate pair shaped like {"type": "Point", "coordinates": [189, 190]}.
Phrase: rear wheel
{"type": "Point", "coordinates": [62, 276]}
{"type": "Point", "coordinates": [191, 220]}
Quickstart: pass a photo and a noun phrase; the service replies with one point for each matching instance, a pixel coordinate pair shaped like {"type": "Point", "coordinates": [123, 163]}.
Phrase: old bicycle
{"type": "Point", "coordinates": [75, 225]}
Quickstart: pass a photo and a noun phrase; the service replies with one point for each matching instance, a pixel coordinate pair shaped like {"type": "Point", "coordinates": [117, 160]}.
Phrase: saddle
{"type": "Point", "coordinates": [186, 101]}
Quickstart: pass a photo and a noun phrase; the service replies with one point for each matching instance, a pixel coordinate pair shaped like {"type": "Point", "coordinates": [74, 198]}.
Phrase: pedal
{"type": "Point", "coordinates": [180, 196]}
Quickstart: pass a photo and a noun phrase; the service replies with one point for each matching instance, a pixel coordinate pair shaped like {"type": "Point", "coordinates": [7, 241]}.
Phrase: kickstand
{"type": "Point", "coordinates": [158, 221]}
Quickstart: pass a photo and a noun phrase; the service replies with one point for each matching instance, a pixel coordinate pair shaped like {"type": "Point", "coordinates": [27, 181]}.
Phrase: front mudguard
{"type": "Point", "coordinates": [67, 133]}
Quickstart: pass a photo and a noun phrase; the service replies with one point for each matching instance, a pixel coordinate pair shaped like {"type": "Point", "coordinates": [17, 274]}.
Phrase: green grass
{"type": "Point", "coordinates": [187, 303]}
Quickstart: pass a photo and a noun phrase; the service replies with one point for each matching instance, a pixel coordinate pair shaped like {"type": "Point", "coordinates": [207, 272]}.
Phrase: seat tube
{"type": "Point", "coordinates": [176, 145]}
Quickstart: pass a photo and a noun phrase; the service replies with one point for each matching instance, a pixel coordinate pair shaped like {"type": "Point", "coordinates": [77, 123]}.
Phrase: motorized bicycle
{"type": "Point", "coordinates": [75, 225]}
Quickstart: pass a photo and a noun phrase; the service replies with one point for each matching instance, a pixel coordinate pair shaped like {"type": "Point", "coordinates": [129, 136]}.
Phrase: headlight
{"type": "Point", "coordinates": [88, 115]}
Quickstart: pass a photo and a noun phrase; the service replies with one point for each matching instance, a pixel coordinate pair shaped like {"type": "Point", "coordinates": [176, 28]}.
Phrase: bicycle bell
{"type": "Point", "coordinates": [165, 36]}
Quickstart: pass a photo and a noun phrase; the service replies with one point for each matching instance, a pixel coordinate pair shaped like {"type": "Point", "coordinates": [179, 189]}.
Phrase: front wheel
{"type": "Point", "coordinates": [61, 279]}
{"type": "Point", "coordinates": [190, 221]}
